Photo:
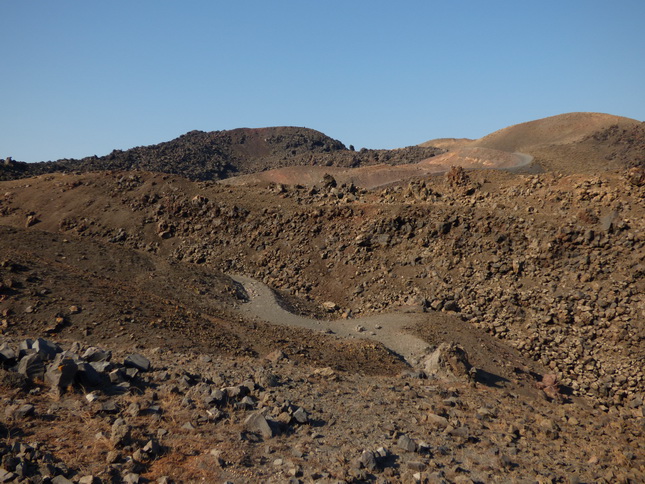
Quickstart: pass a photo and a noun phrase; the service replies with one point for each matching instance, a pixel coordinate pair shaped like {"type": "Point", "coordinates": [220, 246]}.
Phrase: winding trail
{"type": "Point", "coordinates": [388, 329]}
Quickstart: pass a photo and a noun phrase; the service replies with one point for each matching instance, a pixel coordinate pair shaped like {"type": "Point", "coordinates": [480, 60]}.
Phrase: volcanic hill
{"type": "Point", "coordinates": [216, 155]}
{"type": "Point", "coordinates": [568, 143]}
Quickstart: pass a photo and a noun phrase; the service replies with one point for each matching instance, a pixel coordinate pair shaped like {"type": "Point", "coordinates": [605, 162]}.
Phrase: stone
{"type": "Point", "coordinates": [236, 392]}
{"type": "Point", "coordinates": [25, 348]}
{"type": "Point", "coordinates": [608, 221]}
{"type": "Point", "coordinates": [330, 306]}
{"type": "Point", "coordinates": [61, 373]}
{"type": "Point", "coordinates": [88, 376]}
{"type": "Point", "coordinates": [46, 349]}
{"type": "Point", "coordinates": [110, 406]}
{"type": "Point", "coordinates": [120, 434]}
{"type": "Point", "coordinates": [451, 305]}
{"type": "Point", "coordinates": [59, 322]}
{"type": "Point", "coordinates": [112, 457]}
{"type": "Point", "coordinates": [102, 366]}
{"type": "Point", "coordinates": [505, 461]}
{"type": "Point", "coordinates": [368, 460]}
{"type": "Point", "coordinates": [76, 347]}
{"type": "Point", "coordinates": [247, 403]}
{"type": "Point", "coordinates": [25, 410]}
{"type": "Point", "coordinates": [363, 240]}
{"type": "Point", "coordinates": [268, 379]}
{"type": "Point", "coordinates": [131, 478]}
{"type": "Point", "coordinates": [437, 420]}
{"type": "Point", "coordinates": [417, 466]}
{"type": "Point", "coordinates": [550, 386]}
{"type": "Point", "coordinates": [485, 413]}
{"type": "Point", "coordinates": [406, 443]}
{"type": "Point", "coordinates": [117, 376]}
{"type": "Point", "coordinates": [131, 373]}
{"type": "Point", "coordinates": [448, 361]}
{"type": "Point", "coordinates": [133, 409]}
{"type": "Point", "coordinates": [382, 452]}
{"type": "Point", "coordinates": [328, 181]}
{"type": "Point", "coordinates": [256, 422]}
{"type": "Point", "coordinates": [31, 220]}
{"type": "Point", "coordinates": [301, 415]}
{"type": "Point", "coordinates": [32, 366]}
{"type": "Point", "coordinates": [326, 372]}
{"type": "Point", "coordinates": [137, 361]}
{"type": "Point", "coordinates": [152, 447]}
{"type": "Point", "coordinates": [94, 354]}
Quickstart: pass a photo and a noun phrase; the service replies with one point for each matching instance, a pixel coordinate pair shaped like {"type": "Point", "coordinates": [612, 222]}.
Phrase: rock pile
{"type": "Point", "coordinates": [107, 386]}
{"type": "Point", "coordinates": [43, 361]}
{"type": "Point", "coordinates": [191, 417]}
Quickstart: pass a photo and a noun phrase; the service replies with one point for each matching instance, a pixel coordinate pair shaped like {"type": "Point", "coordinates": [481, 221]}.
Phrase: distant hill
{"type": "Point", "coordinates": [569, 143]}
{"type": "Point", "coordinates": [216, 155]}
{"type": "Point", "coordinates": [554, 130]}
{"type": "Point", "coordinates": [447, 143]}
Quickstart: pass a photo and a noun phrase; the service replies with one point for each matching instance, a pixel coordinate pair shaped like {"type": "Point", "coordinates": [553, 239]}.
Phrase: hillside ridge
{"type": "Point", "coordinates": [216, 155]}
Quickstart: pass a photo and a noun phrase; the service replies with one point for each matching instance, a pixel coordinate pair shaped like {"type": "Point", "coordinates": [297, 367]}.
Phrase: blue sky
{"type": "Point", "coordinates": [80, 78]}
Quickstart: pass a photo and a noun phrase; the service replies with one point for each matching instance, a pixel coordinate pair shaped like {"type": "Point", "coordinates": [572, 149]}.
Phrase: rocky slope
{"type": "Point", "coordinates": [192, 331]}
{"type": "Point", "coordinates": [165, 416]}
{"type": "Point", "coordinates": [539, 260]}
{"type": "Point", "coordinates": [217, 155]}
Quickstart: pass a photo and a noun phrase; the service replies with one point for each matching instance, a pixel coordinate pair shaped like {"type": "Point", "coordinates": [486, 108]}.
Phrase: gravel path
{"type": "Point", "coordinates": [388, 329]}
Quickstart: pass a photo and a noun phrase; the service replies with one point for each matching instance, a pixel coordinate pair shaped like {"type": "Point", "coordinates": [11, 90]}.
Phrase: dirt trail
{"type": "Point", "coordinates": [388, 329]}
{"type": "Point", "coordinates": [412, 336]}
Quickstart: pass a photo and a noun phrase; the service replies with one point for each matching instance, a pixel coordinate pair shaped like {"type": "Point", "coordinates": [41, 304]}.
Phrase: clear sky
{"type": "Point", "coordinates": [81, 77]}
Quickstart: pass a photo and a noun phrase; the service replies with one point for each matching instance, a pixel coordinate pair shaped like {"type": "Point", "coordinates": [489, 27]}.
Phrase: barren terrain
{"type": "Point", "coordinates": [467, 313]}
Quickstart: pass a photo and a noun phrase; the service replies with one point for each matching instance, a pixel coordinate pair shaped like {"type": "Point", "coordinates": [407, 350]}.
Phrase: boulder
{"type": "Point", "coordinates": [368, 460]}
{"type": "Point", "coordinates": [406, 443]}
{"type": "Point", "coordinates": [32, 366]}
{"type": "Point", "coordinates": [94, 354]}
{"type": "Point", "coordinates": [330, 306]}
{"type": "Point", "coordinates": [120, 434]}
{"type": "Point", "coordinates": [301, 415]}
{"type": "Point", "coordinates": [61, 373]}
{"type": "Point", "coordinates": [87, 375]}
{"type": "Point", "coordinates": [23, 411]}
{"type": "Point", "coordinates": [448, 361]}
{"type": "Point", "coordinates": [46, 349]}
{"type": "Point", "coordinates": [137, 361]}
{"type": "Point", "coordinates": [25, 348]}
{"type": "Point", "coordinates": [256, 422]}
